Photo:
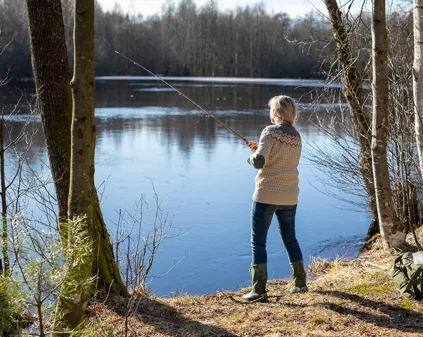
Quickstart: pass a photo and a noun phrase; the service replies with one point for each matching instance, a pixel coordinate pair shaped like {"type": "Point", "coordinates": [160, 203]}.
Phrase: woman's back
{"type": "Point", "coordinates": [277, 181]}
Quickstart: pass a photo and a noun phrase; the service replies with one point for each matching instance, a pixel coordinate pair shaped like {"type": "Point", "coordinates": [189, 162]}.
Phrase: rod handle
{"type": "Point", "coordinates": [246, 141]}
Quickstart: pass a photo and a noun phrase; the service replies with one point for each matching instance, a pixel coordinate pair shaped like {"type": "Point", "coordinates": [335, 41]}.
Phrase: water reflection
{"type": "Point", "coordinates": [186, 127]}
{"type": "Point", "coordinates": [214, 96]}
{"type": "Point", "coordinates": [246, 95]}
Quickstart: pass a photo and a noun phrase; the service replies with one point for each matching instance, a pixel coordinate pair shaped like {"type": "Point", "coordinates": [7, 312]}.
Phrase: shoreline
{"type": "Point", "coordinates": [346, 298]}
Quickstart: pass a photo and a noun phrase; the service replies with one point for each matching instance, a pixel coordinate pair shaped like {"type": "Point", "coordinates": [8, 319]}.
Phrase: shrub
{"type": "Point", "coordinates": [11, 306]}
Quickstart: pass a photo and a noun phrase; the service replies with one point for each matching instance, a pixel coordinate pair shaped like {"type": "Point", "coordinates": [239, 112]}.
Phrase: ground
{"type": "Point", "coordinates": [346, 298]}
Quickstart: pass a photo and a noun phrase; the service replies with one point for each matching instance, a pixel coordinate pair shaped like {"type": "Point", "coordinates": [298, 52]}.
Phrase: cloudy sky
{"type": "Point", "coordinates": [149, 7]}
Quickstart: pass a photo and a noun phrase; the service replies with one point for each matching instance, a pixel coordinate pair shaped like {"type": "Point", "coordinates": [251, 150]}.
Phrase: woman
{"type": "Point", "coordinates": [276, 156]}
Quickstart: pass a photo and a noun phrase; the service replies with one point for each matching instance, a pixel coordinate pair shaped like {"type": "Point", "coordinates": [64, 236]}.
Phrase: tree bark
{"type": "Point", "coordinates": [81, 189]}
{"type": "Point", "coordinates": [5, 246]}
{"type": "Point", "coordinates": [353, 93]}
{"type": "Point", "coordinates": [418, 78]}
{"type": "Point", "coordinates": [52, 77]}
{"type": "Point", "coordinates": [391, 229]}
{"type": "Point", "coordinates": [73, 300]}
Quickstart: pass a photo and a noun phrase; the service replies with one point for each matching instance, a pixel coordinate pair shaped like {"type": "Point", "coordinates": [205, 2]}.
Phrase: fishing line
{"type": "Point", "coordinates": [208, 113]}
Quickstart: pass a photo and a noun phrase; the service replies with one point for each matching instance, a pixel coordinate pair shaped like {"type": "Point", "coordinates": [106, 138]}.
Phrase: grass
{"type": "Point", "coordinates": [346, 298]}
{"type": "Point", "coordinates": [369, 289]}
{"type": "Point", "coordinates": [318, 320]}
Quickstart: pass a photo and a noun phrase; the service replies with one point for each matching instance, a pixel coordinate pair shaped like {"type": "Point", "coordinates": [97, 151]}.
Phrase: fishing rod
{"type": "Point", "coordinates": [208, 113]}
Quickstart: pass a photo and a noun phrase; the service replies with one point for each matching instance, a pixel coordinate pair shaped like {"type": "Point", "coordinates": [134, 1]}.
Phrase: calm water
{"type": "Point", "coordinates": [149, 136]}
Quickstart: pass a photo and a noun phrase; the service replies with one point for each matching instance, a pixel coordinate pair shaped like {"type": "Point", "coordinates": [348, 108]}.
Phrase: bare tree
{"type": "Point", "coordinates": [9, 145]}
{"type": "Point", "coordinates": [392, 231]}
{"type": "Point", "coordinates": [137, 243]}
{"type": "Point", "coordinates": [353, 80]}
{"type": "Point", "coordinates": [418, 78]}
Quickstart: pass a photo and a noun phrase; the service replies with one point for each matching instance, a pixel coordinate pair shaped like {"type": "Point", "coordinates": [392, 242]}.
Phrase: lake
{"type": "Point", "coordinates": [151, 139]}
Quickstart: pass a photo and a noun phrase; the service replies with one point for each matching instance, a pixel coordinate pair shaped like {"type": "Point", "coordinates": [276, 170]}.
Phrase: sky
{"type": "Point", "coordinates": [149, 7]}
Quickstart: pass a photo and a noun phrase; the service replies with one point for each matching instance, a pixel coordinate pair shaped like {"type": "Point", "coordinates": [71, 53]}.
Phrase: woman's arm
{"type": "Point", "coordinates": [259, 158]}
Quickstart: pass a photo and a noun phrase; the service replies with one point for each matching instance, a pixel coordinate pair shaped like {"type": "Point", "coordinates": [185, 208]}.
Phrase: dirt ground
{"type": "Point", "coordinates": [346, 298]}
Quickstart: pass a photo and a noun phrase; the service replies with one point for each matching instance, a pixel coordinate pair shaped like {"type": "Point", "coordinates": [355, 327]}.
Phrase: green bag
{"type": "Point", "coordinates": [408, 277]}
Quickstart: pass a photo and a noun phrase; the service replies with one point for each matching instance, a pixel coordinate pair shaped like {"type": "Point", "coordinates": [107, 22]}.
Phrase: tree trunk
{"type": "Point", "coordinates": [81, 189]}
{"type": "Point", "coordinates": [236, 54]}
{"type": "Point", "coordinates": [353, 93]}
{"type": "Point", "coordinates": [52, 77]}
{"type": "Point", "coordinates": [5, 246]}
{"type": "Point", "coordinates": [73, 300]}
{"type": "Point", "coordinates": [391, 229]}
{"type": "Point", "coordinates": [251, 51]}
{"type": "Point", "coordinates": [418, 78]}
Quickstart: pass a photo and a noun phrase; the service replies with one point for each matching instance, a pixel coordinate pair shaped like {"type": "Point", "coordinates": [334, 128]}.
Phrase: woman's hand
{"type": "Point", "coordinates": [251, 145]}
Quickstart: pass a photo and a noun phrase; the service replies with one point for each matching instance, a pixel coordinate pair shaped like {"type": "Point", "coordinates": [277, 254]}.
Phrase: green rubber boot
{"type": "Point", "coordinates": [259, 279]}
{"type": "Point", "coordinates": [300, 278]}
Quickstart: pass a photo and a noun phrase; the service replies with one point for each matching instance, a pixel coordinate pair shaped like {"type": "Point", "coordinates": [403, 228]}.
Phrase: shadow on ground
{"type": "Point", "coordinates": [166, 320]}
{"type": "Point", "coordinates": [391, 316]}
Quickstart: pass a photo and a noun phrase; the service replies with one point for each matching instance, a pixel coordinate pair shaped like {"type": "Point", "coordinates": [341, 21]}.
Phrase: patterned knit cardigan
{"type": "Point", "coordinates": [277, 158]}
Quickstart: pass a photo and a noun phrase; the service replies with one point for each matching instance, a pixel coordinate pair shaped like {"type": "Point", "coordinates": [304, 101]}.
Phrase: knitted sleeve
{"type": "Point", "coordinates": [259, 158]}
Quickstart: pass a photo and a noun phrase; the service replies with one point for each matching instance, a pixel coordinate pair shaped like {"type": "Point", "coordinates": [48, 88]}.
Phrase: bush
{"type": "Point", "coordinates": [11, 306]}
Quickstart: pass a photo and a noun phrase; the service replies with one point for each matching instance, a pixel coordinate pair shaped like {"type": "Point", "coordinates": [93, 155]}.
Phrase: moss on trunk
{"type": "Point", "coordinates": [106, 269]}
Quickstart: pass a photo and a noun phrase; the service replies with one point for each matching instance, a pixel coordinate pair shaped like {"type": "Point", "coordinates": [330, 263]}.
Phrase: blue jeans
{"type": "Point", "coordinates": [262, 215]}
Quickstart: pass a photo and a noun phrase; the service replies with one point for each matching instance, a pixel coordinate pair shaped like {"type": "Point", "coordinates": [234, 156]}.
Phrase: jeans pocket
{"type": "Point", "coordinates": [263, 208]}
{"type": "Point", "coordinates": [290, 208]}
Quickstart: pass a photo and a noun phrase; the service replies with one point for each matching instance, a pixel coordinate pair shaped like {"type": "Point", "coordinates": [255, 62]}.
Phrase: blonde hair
{"type": "Point", "coordinates": [282, 109]}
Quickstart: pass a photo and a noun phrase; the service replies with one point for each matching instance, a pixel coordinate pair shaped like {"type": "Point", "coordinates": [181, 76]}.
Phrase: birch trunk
{"type": "Point", "coordinates": [391, 229]}
{"type": "Point", "coordinates": [418, 78]}
{"type": "Point", "coordinates": [353, 93]}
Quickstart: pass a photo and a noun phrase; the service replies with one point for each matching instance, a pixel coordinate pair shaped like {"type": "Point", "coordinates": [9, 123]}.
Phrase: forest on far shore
{"type": "Point", "coordinates": [185, 40]}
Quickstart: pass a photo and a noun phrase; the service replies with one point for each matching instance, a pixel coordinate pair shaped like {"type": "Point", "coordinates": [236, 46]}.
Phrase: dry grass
{"type": "Point", "coordinates": [346, 298]}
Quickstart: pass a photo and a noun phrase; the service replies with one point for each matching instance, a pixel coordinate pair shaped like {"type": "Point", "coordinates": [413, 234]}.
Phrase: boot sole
{"type": "Point", "coordinates": [261, 299]}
